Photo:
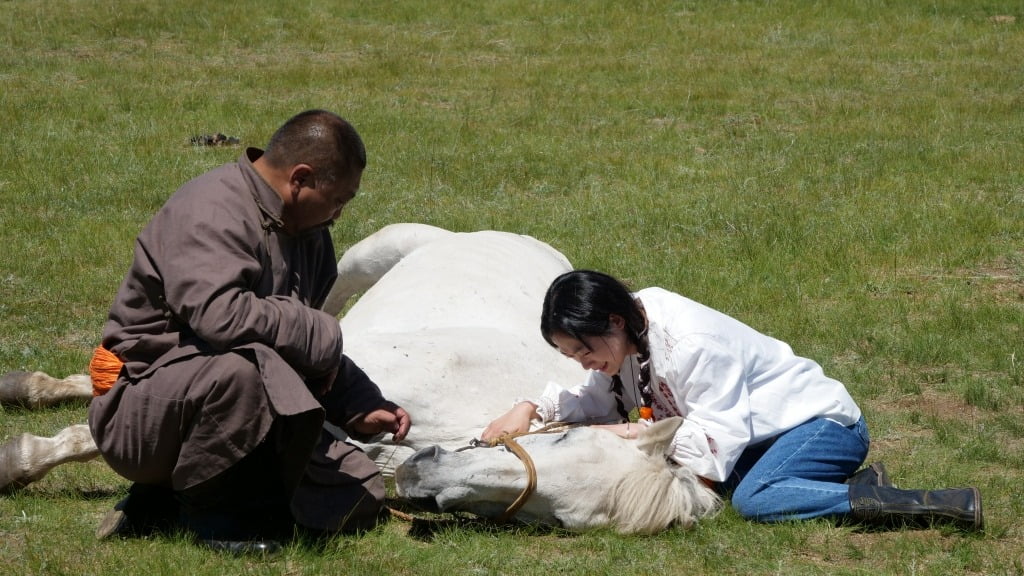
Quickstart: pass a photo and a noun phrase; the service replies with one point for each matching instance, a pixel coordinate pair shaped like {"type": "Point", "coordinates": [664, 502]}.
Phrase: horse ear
{"type": "Point", "coordinates": [657, 436]}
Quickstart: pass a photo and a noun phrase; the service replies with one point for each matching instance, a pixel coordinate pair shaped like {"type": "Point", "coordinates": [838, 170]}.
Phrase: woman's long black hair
{"type": "Point", "coordinates": [580, 304]}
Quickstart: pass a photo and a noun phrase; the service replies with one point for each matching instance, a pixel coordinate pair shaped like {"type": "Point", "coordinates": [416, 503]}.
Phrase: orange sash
{"type": "Point", "coordinates": [103, 369]}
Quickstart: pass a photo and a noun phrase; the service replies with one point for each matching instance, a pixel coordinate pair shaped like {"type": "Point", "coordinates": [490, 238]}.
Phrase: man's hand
{"type": "Point", "coordinates": [388, 418]}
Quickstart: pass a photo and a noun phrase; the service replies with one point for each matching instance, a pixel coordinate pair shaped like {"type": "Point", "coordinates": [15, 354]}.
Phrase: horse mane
{"type": "Point", "coordinates": [659, 493]}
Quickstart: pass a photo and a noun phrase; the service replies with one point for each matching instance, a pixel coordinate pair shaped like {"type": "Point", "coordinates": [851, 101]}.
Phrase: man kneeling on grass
{"type": "Point", "coordinates": [230, 368]}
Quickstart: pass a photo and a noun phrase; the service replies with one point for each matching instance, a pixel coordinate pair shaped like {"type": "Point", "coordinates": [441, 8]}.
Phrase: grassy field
{"type": "Point", "coordinates": [845, 176]}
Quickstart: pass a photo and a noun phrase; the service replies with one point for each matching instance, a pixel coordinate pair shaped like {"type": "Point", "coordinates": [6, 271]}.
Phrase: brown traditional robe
{"type": "Point", "coordinates": [218, 325]}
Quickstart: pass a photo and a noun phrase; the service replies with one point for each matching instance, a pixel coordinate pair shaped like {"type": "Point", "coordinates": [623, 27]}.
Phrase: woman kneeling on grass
{"type": "Point", "coordinates": [760, 422]}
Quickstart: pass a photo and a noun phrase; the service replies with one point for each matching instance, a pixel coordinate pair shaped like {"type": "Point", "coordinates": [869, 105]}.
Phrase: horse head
{"type": "Point", "coordinates": [585, 478]}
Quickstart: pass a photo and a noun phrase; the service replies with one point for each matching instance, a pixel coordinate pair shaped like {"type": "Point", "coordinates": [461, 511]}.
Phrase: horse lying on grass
{"type": "Point", "coordinates": [447, 325]}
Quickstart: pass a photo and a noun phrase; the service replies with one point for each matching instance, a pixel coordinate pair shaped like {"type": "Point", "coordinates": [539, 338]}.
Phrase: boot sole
{"type": "Point", "coordinates": [114, 524]}
{"type": "Point", "coordinates": [979, 518]}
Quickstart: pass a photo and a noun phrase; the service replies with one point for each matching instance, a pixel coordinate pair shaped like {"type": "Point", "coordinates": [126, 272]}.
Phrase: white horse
{"type": "Point", "coordinates": [448, 326]}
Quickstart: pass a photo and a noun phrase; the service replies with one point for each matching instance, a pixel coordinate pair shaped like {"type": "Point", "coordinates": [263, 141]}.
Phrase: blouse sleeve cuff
{"type": "Point", "coordinates": [545, 409]}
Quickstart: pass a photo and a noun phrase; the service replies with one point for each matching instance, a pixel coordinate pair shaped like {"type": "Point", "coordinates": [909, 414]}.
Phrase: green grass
{"type": "Point", "coordinates": [845, 176]}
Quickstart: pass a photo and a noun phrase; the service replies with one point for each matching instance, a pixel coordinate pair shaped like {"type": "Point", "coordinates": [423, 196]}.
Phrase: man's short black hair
{"type": "Point", "coordinates": [322, 139]}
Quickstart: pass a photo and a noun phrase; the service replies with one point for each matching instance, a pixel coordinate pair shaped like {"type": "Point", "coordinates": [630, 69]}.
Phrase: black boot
{"type": "Point", "coordinates": [892, 507]}
{"type": "Point", "coordinates": [240, 528]}
{"type": "Point", "coordinates": [243, 510]}
{"type": "Point", "coordinates": [144, 511]}
{"type": "Point", "coordinates": [874, 475]}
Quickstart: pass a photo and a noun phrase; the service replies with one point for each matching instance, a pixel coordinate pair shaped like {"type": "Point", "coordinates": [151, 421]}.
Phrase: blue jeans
{"type": "Point", "coordinates": [799, 474]}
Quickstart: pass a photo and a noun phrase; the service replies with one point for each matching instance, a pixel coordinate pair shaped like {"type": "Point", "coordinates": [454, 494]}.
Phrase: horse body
{"type": "Point", "coordinates": [451, 333]}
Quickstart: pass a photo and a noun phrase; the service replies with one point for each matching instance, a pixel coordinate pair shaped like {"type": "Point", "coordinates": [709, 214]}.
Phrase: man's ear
{"type": "Point", "coordinates": [300, 175]}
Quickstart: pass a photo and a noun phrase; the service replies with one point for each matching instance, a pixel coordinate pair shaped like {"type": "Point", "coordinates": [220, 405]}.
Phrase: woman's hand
{"type": "Point", "coordinates": [515, 421]}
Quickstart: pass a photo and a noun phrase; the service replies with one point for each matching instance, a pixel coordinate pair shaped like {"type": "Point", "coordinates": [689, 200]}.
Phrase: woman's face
{"type": "Point", "coordinates": [604, 353]}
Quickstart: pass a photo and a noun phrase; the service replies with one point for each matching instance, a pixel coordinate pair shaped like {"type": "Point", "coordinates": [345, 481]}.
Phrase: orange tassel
{"type": "Point", "coordinates": [103, 369]}
{"type": "Point", "coordinates": [646, 413]}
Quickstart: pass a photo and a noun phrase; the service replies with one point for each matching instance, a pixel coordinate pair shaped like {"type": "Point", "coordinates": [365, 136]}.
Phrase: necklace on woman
{"type": "Point", "coordinates": [642, 406]}
{"type": "Point", "coordinates": [641, 386]}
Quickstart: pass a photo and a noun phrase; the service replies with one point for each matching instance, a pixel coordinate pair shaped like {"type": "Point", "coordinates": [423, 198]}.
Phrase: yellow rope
{"type": "Point", "coordinates": [531, 470]}
{"type": "Point", "coordinates": [531, 478]}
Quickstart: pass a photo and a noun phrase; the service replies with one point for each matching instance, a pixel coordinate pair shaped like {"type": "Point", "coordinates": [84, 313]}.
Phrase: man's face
{"type": "Point", "coordinates": [319, 201]}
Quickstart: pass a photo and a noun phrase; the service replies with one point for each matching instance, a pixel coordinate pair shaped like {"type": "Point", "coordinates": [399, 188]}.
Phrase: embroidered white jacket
{"type": "Point", "coordinates": [733, 386]}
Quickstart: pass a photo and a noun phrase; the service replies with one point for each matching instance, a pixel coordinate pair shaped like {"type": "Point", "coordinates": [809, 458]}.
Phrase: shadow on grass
{"type": "Point", "coordinates": [100, 493]}
{"type": "Point", "coordinates": [12, 492]}
{"type": "Point", "coordinates": [425, 526]}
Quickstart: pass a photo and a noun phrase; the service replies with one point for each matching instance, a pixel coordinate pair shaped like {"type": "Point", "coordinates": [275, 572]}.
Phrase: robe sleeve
{"type": "Point", "coordinates": [352, 396]}
{"type": "Point", "coordinates": [209, 264]}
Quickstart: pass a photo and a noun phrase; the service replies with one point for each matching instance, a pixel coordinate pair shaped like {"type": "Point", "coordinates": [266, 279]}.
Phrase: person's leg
{"type": "Point", "coordinates": [182, 428]}
{"type": "Point", "coordinates": [147, 509]}
{"type": "Point", "coordinates": [805, 473]}
{"type": "Point", "coordinates": [802, 473]}
{"type": "Point", "coordinates": [245, 502]}
{"type": "Point", "coordinates": [888, 507]}
{"type": "Point", "coordinates": [186, 423]}
{"type": "Point", "coordinates": [342, 490]}
{"type": "Point", "coordinates": [250, 500]}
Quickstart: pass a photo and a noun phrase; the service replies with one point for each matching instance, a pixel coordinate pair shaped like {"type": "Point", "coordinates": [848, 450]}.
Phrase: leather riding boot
{"type": "Point", "coordinates": [892, 507]}
{"type": "Point", "coordinates": [242, 510]}
{"type": "Point", "coordinates": [874, 474]}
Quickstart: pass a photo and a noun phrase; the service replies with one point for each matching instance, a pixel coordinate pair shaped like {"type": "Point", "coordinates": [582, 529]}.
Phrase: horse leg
{"type": "Point", "coordinates": [38, 389]}
{"type": "Point", "coordinates": [368, 260]}
{"type": "Point", "coordinates": [28, 458]}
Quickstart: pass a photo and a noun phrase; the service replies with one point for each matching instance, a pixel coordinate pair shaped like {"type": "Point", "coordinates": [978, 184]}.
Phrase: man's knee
{"type": "Point", "coordinates": [342, 490]}
{"type": "Point", "coordinates": [342, 508]}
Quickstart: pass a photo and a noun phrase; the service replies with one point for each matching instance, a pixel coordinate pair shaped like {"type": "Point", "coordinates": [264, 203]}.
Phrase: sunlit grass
{"type": "Point", "coordinates": [843, 176]}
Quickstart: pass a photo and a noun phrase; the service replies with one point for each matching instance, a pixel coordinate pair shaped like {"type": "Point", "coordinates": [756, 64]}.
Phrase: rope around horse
{"type": "Point", "coordinates": [508, 440]}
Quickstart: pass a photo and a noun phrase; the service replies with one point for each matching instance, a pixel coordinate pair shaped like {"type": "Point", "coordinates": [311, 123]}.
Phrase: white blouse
{"type": "Point", "coordinates": [733, 386]}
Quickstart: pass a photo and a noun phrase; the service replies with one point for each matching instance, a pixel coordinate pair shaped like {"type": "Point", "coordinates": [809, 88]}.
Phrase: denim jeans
{"type": "Point", "coordinates": [800, 473]}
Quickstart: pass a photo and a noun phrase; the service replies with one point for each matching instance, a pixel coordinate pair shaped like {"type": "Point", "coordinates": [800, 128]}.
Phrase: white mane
{"type": "Point", "coordinates": [648, 499]}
